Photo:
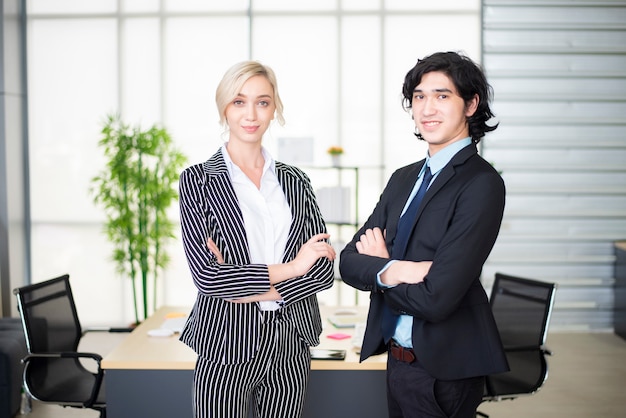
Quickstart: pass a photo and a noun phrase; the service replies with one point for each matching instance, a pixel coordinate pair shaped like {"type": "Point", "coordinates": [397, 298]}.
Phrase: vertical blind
{"type": "Point", "coordinates": [558, 69]}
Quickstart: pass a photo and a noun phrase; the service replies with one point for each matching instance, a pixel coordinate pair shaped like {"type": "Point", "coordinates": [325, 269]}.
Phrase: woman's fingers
{"type": "Point", "coordinates": [216, 252]}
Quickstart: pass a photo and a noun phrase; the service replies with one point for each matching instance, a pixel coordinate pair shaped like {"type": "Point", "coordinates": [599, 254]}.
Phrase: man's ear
{"type": "Point", "coordinates": [471, 106]}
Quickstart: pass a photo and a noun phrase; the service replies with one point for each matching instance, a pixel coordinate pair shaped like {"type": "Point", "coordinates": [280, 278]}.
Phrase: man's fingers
{"type": "Point", "coordinates": [375, 234]}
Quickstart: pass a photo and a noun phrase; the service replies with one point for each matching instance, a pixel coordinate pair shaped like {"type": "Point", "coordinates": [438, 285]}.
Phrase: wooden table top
{"type": "Point", "coordinates": [140, 351]}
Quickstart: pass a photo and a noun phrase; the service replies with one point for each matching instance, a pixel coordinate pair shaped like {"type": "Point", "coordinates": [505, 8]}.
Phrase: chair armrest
{"type": "Point", "coordinates": [71, 354]}
{"type": "Point", "coordinates": [39, 365]}
{"type": "Point", "coordinates": [545, 350]}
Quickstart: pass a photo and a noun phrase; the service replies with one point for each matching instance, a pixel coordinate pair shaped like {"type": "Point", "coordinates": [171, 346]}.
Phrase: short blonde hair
{"type": "Point", "coordinates": [236, 77]}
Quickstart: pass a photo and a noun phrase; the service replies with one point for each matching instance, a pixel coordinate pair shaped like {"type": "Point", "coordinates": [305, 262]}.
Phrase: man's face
{"type": "Point", "coordinates": [439, 112]}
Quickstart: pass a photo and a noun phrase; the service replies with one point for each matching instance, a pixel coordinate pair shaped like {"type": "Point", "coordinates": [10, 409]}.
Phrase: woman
{"type": "Point", "coordinates": [258, 252]}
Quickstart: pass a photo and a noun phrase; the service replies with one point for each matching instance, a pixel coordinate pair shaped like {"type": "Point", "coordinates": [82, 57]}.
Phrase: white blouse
{"type": "Point", "coordinates": [266, 214]}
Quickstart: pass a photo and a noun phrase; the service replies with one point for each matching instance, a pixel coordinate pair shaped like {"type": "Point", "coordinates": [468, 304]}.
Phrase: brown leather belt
{"type": "Point", "coordinates": [401, 353]}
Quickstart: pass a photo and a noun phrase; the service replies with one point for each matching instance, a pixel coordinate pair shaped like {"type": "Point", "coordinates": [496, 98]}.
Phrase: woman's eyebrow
{"type": "Point", "coordinates": [261, 96]}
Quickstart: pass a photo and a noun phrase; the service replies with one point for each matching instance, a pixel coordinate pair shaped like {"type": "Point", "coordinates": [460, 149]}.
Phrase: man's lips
{"type": "Point", "coordinates": [431, 124]}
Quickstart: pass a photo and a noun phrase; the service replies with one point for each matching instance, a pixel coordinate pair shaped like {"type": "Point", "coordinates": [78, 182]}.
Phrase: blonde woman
{"type": "Point", "coordinates": [258, 252]}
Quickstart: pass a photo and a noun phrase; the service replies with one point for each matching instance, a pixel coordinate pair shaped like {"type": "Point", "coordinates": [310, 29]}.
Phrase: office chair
{"type": "Point", "coordinates": [54, 370]}
{"type": "Point", "coordinates": [522, 309]}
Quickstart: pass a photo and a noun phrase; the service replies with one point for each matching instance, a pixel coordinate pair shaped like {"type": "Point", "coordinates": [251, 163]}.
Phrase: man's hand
{"type": "Point", "coordinates": [372, 242]}
{"type": "Point", "coordinates": [410, 272]}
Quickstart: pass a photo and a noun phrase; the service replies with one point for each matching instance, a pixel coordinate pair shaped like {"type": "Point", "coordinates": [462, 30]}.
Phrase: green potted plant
{"type": "Point", "coordinates": [135, 190]}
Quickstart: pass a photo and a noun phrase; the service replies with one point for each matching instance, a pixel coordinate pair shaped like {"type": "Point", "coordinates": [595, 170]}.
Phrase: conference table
{"type": "Point", "coordinates": [150, 376]}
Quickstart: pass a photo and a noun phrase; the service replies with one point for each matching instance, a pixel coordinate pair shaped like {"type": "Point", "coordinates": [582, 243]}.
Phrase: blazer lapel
{"type": "Point", "coordinates": [446, 173]}
{"type": "Point", "coordinates": [293, 190]}
{"type": "Point", "coordinates": [228, 216]}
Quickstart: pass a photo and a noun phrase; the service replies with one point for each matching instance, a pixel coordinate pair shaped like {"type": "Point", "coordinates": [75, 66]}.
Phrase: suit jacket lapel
{"type": "Point", "coordinates": [291, 185]}
{"type": "Point", "coordinates": [400, 199]}
{"type": "Point", "coordinates": [446, 173]}
{"type": "Point", "coordinates": [228, 216]}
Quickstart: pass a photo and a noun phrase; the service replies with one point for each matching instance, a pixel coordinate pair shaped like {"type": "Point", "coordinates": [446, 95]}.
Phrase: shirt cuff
{"type": "Point", "coordinates": [379, 282]}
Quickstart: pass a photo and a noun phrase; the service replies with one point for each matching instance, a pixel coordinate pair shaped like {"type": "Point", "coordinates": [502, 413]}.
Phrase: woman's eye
{"type": "Point", "coordinates": [238, 102]}
{"type": "Point", "coordinates": [264, 103]}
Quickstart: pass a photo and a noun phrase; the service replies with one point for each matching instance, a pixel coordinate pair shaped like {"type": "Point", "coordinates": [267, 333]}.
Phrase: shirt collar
{"type": "Point", "coordinates": [443, 157]}
{"type": "Point", "coordinates": [270, 163]}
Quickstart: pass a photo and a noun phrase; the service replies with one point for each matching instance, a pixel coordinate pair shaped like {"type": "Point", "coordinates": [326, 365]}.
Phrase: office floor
{"type": "Point", "coordinates": [587, 379]}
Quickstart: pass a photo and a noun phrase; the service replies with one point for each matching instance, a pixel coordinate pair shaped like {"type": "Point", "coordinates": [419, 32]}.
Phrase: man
{"type": "Point", "coordinates": [428, 307]}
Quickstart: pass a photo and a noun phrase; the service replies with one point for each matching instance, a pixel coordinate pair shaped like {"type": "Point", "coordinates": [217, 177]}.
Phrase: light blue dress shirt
{"type": "Point", "coordinates": [436, 163]}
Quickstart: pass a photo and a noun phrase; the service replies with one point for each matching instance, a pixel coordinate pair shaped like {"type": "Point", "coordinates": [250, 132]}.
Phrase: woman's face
{"type": "Point", "coordinates": [251, 112]}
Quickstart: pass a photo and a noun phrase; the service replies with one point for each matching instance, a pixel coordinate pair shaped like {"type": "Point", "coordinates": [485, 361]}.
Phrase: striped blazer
{"type": "Point", "coordinates": [227, 332]}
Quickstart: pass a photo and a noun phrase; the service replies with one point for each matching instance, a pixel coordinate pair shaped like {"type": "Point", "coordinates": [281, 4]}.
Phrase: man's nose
{"type": "Point", "coordinates": [429, 107]}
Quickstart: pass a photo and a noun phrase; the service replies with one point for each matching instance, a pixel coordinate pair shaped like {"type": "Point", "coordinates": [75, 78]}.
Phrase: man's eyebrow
{"type": "Point", "coordinates": [442, 90]}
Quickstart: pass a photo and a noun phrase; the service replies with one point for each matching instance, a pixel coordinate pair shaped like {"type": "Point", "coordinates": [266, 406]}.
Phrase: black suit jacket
{"type": "Point", "coordinates": [454, 333]}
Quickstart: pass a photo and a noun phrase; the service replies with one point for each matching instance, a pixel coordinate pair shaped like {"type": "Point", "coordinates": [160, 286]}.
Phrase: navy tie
{"type": "Point", "coordinates": [405, 226]}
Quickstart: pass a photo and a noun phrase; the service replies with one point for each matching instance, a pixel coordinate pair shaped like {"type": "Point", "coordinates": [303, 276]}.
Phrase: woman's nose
{"type": "Point", "coordinates": [250, 112]}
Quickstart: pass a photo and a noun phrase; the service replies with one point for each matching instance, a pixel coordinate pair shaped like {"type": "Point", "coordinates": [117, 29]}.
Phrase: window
{"type": "Point", "coordinates": [340, 66]}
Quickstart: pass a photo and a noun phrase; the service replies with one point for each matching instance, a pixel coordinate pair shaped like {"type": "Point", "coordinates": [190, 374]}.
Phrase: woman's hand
{"type": "Point", "coordinates": [372, 242]}
{"type": "Point", "coordinates": [271, 294]}
{"type": "Point", "coordinates": [216, 252]}
{"type": "Point", "coordinates": [312, 250]}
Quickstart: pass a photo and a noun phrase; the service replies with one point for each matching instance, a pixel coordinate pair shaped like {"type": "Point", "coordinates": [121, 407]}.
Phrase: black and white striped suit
{"type": "Point", "coordinates": [227, 333]}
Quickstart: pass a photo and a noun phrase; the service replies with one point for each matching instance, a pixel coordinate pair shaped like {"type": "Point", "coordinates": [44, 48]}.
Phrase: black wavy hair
{"type": "Point", "coordinates": [469, 80]}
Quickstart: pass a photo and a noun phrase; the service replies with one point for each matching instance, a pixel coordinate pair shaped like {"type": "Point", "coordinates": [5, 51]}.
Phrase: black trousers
{"type": "Point", "coordinates": [413, 393]}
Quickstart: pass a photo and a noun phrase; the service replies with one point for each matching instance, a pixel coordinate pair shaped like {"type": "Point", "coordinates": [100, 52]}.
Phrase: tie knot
{"type": "Point", "coordinates": [427, 174]}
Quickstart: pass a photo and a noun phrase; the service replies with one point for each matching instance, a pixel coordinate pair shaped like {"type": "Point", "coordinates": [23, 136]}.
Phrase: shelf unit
{"type": "Point", "coordinates": [342, 230]}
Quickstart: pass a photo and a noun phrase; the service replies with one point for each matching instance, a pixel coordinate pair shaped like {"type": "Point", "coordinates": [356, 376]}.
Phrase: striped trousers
{"type": "Point", "coordinates": [271, 385]}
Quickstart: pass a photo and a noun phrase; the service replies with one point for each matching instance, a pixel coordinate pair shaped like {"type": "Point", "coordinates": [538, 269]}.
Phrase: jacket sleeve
{"type": "Point", "coordinates": [309, 222]}
{"type": "Point", "coordinates": [229, 280]}
{"type": "Point", "coordinates": [358, 270]}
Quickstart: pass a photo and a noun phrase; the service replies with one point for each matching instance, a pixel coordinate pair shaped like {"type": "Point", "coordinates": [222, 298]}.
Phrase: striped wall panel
{"type": "Point", "coordinates": [558, 69]}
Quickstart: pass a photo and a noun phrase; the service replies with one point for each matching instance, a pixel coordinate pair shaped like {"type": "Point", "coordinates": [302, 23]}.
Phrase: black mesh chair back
{"type": "Point", "coordinates": [522, 309]}
{"type": "Point", "coordinates": [50, 317]}
{"type": "Point", "coordinates": [54, 371]}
